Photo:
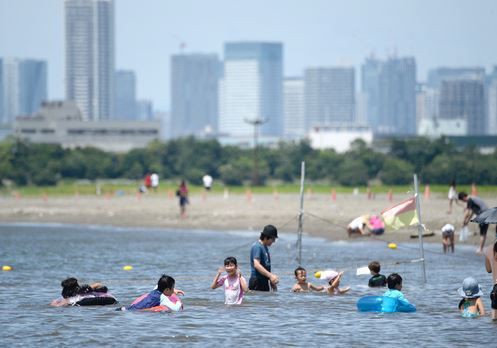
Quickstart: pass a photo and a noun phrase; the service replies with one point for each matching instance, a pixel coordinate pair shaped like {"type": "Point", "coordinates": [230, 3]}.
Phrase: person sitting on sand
{"type": "Point", "coordinates": [302, 285]}
{"type": "Point", "coordinates": [333, 279]}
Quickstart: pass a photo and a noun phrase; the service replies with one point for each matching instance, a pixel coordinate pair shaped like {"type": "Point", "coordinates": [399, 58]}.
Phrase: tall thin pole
{"type": "Point", "coordinates": [301, 213]}
{"type": "Point", "coordinates": [420, 227]}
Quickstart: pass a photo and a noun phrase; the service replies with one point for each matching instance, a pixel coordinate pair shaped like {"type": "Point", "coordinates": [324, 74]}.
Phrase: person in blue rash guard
{"type": "Point", "coordinates": [394, 282]}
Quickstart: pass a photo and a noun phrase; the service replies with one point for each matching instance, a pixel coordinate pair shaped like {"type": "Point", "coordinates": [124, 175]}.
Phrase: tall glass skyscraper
{"type": "Point", "coordinates": [252, 88]}
{"type": "Point", "coordinates": [390, 90]}
{"type": "Point", "coordinates": [89, 37]}
{"type": "Point", "coordinates": [329, 96]}
{"type": "Point", "coordinates": [23, 87]}
{"type": "Point", "coordinates": [125, 95]}
{"type": "Point", "coordinates": [194, 94]}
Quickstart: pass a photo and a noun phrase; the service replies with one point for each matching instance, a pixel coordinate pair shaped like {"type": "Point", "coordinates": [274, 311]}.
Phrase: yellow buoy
{"type": "Point", "coordinates": [127, 268]}
{"type": "Point", "coordinates": [6, 268]}
{"type": "Point", "coordinates": [392, 245]}
{"type": "Point", "coordinates": [317, 274]}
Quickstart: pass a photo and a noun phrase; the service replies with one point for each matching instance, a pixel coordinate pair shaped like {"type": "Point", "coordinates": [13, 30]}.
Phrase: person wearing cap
{"type": "Point", "coordinates": [471, 304]}
{"type": "Point", "coordinates": [261, 278]}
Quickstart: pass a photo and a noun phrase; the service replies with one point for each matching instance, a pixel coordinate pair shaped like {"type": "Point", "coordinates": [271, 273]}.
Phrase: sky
{"type": "Point", "coordinates": [314, 33]}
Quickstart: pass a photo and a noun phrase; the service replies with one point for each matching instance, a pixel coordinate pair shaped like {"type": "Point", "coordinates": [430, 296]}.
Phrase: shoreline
{"type": "Point", "coordinates": [323, 216]}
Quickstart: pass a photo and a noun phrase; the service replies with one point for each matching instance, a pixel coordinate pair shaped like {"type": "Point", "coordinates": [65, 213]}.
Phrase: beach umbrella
{"type": "Point", "coordinates": [489, 216]}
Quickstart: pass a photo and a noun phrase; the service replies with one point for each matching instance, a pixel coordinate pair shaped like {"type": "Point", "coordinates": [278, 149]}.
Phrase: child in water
{"type": "Point", "coordinates": [333, 279]}
{"type": "Point", "coordinates": [302, 285]}
{"type": "Point", "coordinates": [235, 285]}
{"type": "Point", "coordinates": [164, 295]}
{"type": "Point", "coordinates": [72, 292]}
{"type": "Point", "coordinates": [394, 282]}
{"type": "Point", "coordinates": [471, 304]}
{"type": "Point", "coordinates": [377, 280]}
{"type": "Point", "coordinates": [448, 238]}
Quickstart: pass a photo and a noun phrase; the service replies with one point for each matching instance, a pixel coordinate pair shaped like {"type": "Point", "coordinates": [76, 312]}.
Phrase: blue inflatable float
{"type": "Point", "coordinates": [383, 304]}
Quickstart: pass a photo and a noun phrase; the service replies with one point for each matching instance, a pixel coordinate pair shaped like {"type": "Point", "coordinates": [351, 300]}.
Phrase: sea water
{"type": "Point", "coordinates": [43, 255]}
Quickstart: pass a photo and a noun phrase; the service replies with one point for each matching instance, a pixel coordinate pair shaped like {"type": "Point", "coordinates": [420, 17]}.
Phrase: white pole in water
{"type": "Point", "coordinates": [420, 227]}
{"type": "Point", "coordinates": [301, 213]}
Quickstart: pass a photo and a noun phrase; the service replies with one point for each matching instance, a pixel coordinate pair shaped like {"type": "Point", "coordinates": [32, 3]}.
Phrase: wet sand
{"type": "Point", "coordinates": [324, 217]}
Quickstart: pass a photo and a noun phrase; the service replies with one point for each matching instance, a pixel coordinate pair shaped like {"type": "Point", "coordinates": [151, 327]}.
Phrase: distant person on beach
{"type": "Point", "coordinates": [377, 280]}
{"type": "Point", "coordinates": [394, 282]}
{"type": "Point", "coordinates": [235, 285]}
{"type": "Point", "coordinates": [475, 206]}
{"type": "Point", "coordinates": [376, 225]}
{"type": "Point", "coordinates": [148, 181]}
{"type": "Point", "coordinates": [448, 231]}
{"type": "Point", "coordinates": [261, 278]}
{"type": "Point", "coordinates": [333, 280]}
{"type": "Point", "coordinates": [471, 304]}
{"type": "Point", "coordinates": [452, 195]}
{"type": "Point", "coordinates": [358, 226]}
{"type": "Point", "coordinates": [207, 180]}
{"type": "Point", "coordinates": [302, 284]}
{"type": "Point", "coordinates": [154, 181]}
{"type": "Point", "coordinates": [182, 194]}
{"type": "Point", "coordinates": [491, 267]}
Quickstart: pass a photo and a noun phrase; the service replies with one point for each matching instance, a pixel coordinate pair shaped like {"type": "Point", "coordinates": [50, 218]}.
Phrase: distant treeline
{"type": "Point", "coordinates": [436, 162]}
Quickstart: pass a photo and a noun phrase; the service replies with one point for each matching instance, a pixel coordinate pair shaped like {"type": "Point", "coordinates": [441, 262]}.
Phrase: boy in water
{"type": "Point", "coordinates": [394, 282]}
{"type": "Point", "coordinates": [377, 280]}
{"type": "Point", "coordinates": [234, 284]}
{"type": "Point", "coordinates": [448, 238]}
{"type": "Point", "coordinates": [302, 285]}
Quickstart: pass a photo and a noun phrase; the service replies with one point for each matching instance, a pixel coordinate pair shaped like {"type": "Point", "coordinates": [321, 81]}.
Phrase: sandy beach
{"type": "Point", "coordinates": [324, 216]}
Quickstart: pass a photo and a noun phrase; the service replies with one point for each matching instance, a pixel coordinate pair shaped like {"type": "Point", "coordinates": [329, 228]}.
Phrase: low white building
{"type": "Point", "coordinates": [434, 128]}
{"type": "Point", "coordinates": [339, 137]}
{"type": "Point", "coordinates": [61, 123]}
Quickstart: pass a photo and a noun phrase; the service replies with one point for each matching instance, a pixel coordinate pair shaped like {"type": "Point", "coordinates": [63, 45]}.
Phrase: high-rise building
{"type": "Point", "coordinates": [125, 95]}
{"type": "Point", "coordinates": [89, 39]}
{"type": "Point", "coordinates": [252, 88]}
{"type": "Point", "coordinates": [464, 100]}
{"type": "Point", "coordinates": [438, 75]}
{"type": "Point", "coordinates": [33, 85]}
{"type": "Point", "coordinates": [294, 107]}
{"type": "Point", "coordinates": [390, 89]}
{"type": "Point", "coordinates": [492, 103]}
{"type": "Point", "coordinates": [329, 96]}
{"type": "Point", "coordinates": [194, 94]}
{"type": "Point", "coordinates": [23, 87]}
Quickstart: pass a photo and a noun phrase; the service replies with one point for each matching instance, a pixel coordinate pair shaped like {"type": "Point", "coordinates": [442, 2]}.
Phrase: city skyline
{"type": "Point", "coordinates": [327, 33]}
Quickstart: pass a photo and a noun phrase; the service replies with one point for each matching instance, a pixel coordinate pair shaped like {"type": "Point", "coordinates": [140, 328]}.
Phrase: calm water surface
{"type": "Point", "coordinates": [44, 255]}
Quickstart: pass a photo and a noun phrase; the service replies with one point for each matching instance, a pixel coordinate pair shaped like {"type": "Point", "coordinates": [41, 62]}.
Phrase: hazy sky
{"type": "Point", "coordinates": [314, 32]}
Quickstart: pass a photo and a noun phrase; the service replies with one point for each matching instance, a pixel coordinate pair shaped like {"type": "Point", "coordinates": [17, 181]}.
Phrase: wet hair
{"type": "Point", "coordinates": [71, 288]}
{"type": "Point", "coordinates": [374, 266]}
{"type": "Point", "coordinates": [299, 268]}
{"type": "Point", "coordinates": [393, 280]}
{"type": "Point", "coordinates": [165, 282]}
{"type": "Point", "coordinates": [230, 259]}
{"type": "Point", "coordinates": [462, 195]}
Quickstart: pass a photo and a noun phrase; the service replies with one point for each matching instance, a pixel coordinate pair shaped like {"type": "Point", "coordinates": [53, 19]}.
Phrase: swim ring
{"type": "Point", "coordinates": [174, 300]}
{"type": "Point", "coordinates": [383, 304]}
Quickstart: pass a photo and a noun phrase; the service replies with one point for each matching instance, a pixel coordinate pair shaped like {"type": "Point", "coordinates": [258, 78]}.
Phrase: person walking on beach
{"type": "Point", "coordinates": [475, 206]}
{"type": "Point", "coordinates": [154, 181]}
{"type": "Point", "coordinates": [182, 194]}
{"type": "Point", "coordinates": [452, 195]}
{"type": "Point", "coordinates": [261, 278]}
